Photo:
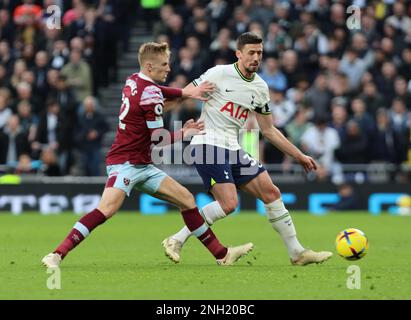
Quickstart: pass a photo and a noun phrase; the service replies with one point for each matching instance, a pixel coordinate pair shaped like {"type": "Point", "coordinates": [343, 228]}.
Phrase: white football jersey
{"type": "Point", "coordinates": [226, 112]}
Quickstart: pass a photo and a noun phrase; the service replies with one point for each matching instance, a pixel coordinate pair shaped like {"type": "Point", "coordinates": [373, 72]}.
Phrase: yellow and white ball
{"type": "Point", "coordinates": [351, 244]}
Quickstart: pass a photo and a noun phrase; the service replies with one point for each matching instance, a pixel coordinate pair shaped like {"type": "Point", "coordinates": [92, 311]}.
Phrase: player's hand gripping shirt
{"type": "Point", "coordinates": [226, 112]}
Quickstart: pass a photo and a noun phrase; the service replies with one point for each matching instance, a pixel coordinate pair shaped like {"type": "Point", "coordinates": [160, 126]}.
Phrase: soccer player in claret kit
{"type": "Point", "coordinates": [240, 91]}
{"type": "Point", "coordinates": [129, 159]}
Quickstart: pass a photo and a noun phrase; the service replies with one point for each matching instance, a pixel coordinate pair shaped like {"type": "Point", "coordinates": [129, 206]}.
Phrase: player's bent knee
{"type": "Point", "coordinates": [271, 195]}
{"type": "Point", "coordinates": [229, 206]}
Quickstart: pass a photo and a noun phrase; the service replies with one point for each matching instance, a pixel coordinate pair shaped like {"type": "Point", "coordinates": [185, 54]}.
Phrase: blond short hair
{"type": "Point", "coordinates": [152, 49]}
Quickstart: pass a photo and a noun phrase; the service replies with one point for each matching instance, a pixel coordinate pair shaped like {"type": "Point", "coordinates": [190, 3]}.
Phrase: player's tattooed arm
{"type": "Point", "coordinates": [276, 138]}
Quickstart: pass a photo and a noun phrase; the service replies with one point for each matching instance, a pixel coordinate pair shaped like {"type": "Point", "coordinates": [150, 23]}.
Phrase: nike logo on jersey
{"type": "Point", "coordinates": [228, 90]}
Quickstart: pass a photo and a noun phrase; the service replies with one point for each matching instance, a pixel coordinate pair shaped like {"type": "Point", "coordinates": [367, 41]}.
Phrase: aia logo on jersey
{"type": "Point", "coordinates": [236, 112]}
{"type": "Point", "coordinates": [126, 181]}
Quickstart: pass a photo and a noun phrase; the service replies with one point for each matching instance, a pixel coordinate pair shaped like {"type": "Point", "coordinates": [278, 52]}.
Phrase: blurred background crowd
{"type": "Point", "coordinates": [342, 95]}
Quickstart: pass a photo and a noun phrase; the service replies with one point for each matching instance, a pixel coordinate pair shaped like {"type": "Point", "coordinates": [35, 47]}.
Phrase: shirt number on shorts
{"type": "Point", "coordinates": [125, 108]}
{"type": "Point", "coordinates": [252, 161]}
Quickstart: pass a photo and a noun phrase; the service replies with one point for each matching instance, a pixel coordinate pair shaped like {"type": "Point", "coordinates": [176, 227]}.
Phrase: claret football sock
{"type": "Point", "coordinates": [80, 231]}
{"type": "Point", "coordinates": [197, 226]}
{"type": "Point", "coordinates": [210, 212]}
{"type": "Point", "coordinates": [281, 221]}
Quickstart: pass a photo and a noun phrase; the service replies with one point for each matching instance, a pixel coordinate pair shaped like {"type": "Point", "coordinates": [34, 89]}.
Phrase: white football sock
{"type": "Point", "coordinates": [281, 221]}
{"type": "Point", "coordinates": [210, 213]}
{"type": "Point", "coordinates": [182, 235]}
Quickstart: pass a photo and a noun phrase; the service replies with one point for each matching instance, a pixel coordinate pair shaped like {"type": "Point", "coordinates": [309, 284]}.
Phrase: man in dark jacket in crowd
{"type": "Point", "coordinates": [13, 142]}
{"type": "Point", "coordinates": [90, 131]}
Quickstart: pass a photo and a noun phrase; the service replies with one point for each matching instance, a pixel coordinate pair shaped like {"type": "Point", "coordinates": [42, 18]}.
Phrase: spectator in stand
{"type": "Point", "coordinates": [200, 56]}
{"type": "Point", "coordinates": [319, 96]}
{"type": "Point", "coordinates": [176, 32]}
{"type": "Point", "coordinates": [353, 67]}
{"type": "Point", "coordinates": [282, 109]}
{"type": "Point", "coordinates": [5, 112]}
{"type": "Point", "coordinates": [40, 72]}
{"type": "Point", "coordinates": [7, 29]}
{"type": "Point", "coordinates": [59, 54]}
{"type": "Point", "coordinates": [339, 118]}
{"type": "Point", "coordinates": [24, 93]}
{"type": "Point", "coordinates": [364, 119]}
{"type": "Point", "coordinates": [399, 20]}
{"type": "Point", "coordinates": [385, 81]}
{"type": "Point", "coordinates": [6, 57]}
{"type": "Point", "coordinates": [272, 74]}
{"type": "Point", "coordinates": [223, 47]}
{"type": "Point", "coordinates": [354, 145]}
{"type": "Point", "coordinates": [187, 65]}
{"type": "Point", "coordinates": [50, 166]}
{"type": "Point", "coordinates": [219, 13]}
{"type": "Point", "coordinates": [372, 98]}
{"type": "Point", "coordinates": [387, 143]}
{"type": "Point", "coordinates": [296, 128]}
{"type": "Point", "coordinates": [290, 67]}
{"type": "Point", "coordinates": [239, 24]}
{"type": "Point", "coordinates": [48, 133]}
{"type": "Point", "coordinates": [320, 142]}
{"type": "Point", "coordinates": [276, 39]}
{"type": "Point", "coordinates": [89, 134]}
{"type": "Point", "coordinates": [28, 120]}
{"type": "Point", "coordinates": [399, 116]}
{"type": "Point", "coordinates": [401, 91]}
{"type": "Point", "coordinates": [13, 142]}
{"type": "Point", "coordinates": [348, 199]}
{"type": "Point", "coordinates": [78, 75]}
{"type": "Point", "coordinates": [405, 67]}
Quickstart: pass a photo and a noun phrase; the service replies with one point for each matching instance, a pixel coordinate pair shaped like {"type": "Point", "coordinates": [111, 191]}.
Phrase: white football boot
{"type": "Point", "coordinates": [309, 256]}
{"type": "Point", "coordinates": [235, 253]}
{"type": "Point", "coordinates": [52, 260]}
{"type": "Point", "coordinates": [172, 248]}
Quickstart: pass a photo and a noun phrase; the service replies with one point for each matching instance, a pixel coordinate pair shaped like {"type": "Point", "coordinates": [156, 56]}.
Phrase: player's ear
{"type": "Point", "coordinates": [238, 54]}
{"type": "Point", "coordinates": [149, 66]}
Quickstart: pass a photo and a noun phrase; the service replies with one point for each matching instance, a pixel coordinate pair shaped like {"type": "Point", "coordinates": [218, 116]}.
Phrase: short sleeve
{"type": "Point", "coordinates": [211, 75]}
{"type": "Point", "coordinates": [263, 106]}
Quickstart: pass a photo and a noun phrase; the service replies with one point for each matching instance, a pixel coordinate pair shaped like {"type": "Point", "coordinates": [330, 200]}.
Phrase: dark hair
{"type": "Point", "coordinates": [248, 38]}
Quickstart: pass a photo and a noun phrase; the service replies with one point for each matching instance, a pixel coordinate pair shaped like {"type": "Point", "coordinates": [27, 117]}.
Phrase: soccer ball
{"type": "Point", "coordinates": [351, 244]}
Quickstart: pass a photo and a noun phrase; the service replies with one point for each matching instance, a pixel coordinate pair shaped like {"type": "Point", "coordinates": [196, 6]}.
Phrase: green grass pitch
{"type": "Point", "coordinates": [124, 259]}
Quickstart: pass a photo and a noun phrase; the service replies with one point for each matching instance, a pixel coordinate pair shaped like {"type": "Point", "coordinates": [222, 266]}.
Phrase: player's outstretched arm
{"type": "Point", "coordinates": [276, 138]}
{"type": "Point", "coordinates": [200, 92]}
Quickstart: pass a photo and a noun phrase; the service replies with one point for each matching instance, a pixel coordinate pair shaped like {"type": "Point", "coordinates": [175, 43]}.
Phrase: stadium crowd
{"type": "Point", "coordinates": [52, 62]}
{"type": "Point", "coordinates": [342, 95]}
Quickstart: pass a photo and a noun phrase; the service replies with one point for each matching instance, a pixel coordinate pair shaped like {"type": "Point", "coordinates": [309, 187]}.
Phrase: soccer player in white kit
{"type": "Point", "coordinates": [224, 166]}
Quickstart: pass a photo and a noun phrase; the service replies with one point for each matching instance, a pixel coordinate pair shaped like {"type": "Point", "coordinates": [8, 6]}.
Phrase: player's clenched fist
{"type": "Point", "coordinates": [307, 162]}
